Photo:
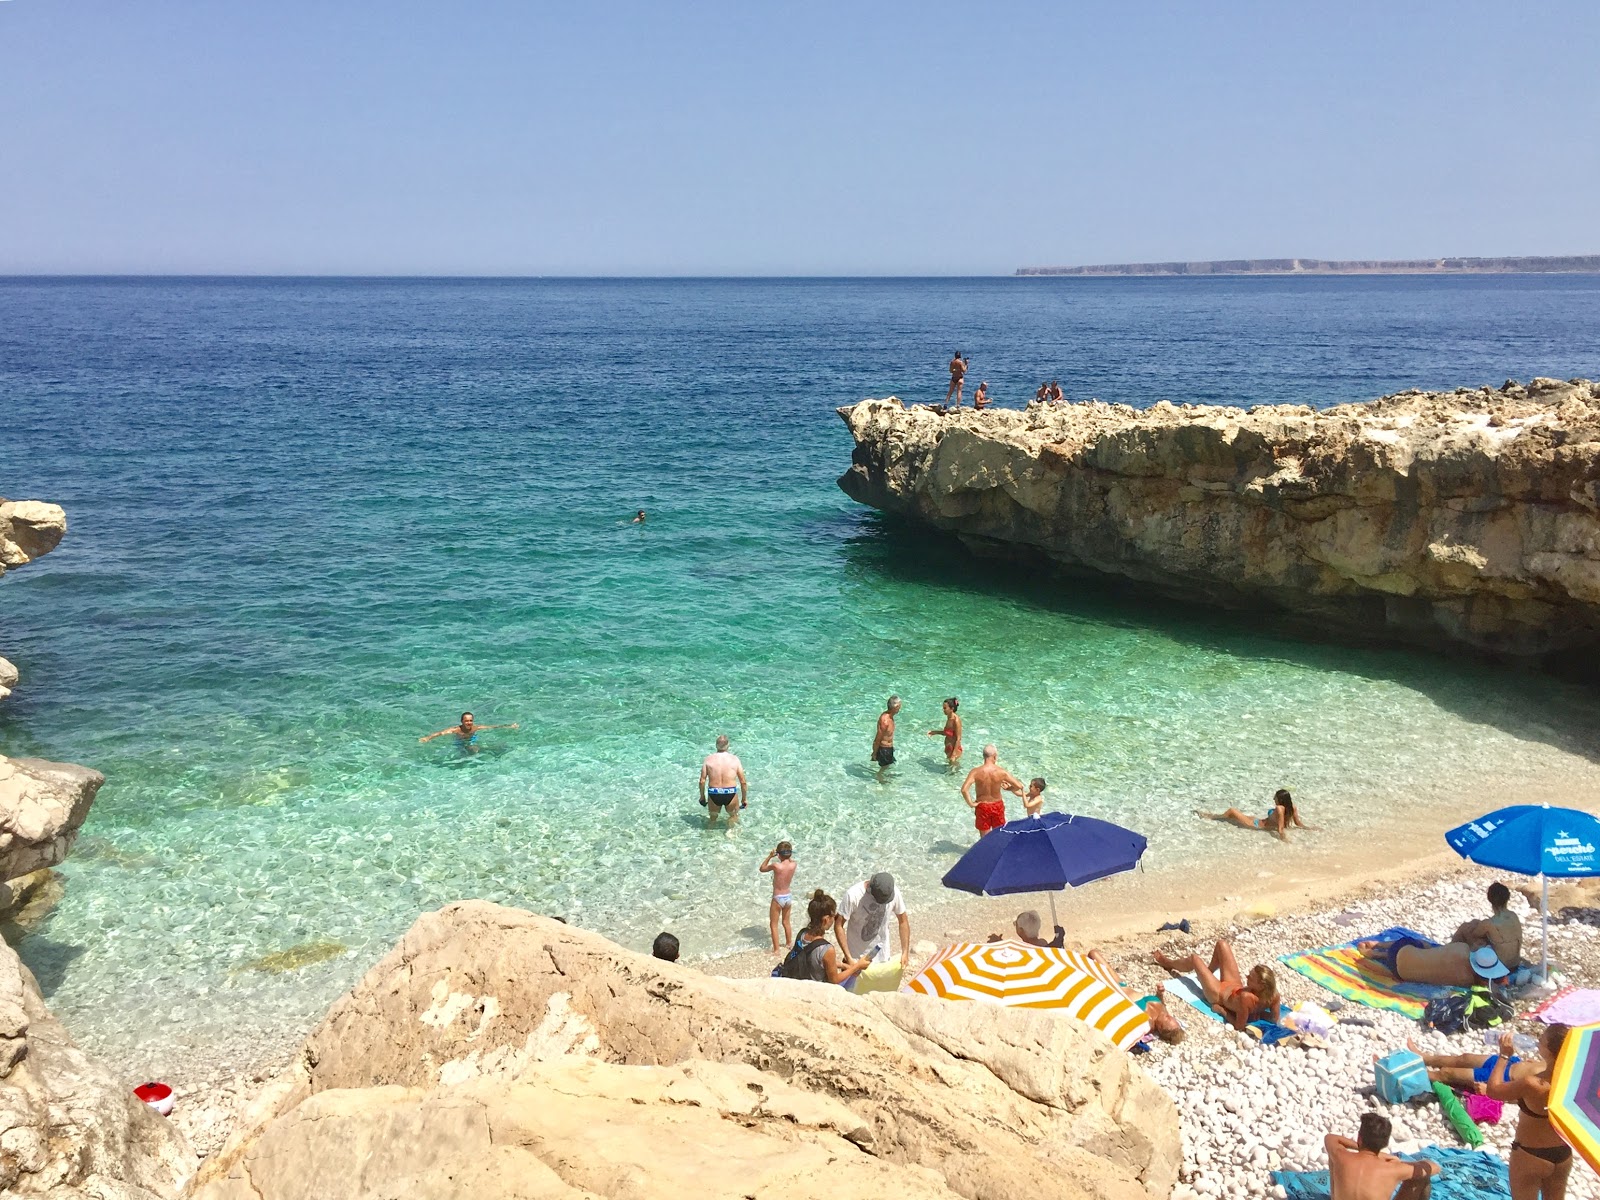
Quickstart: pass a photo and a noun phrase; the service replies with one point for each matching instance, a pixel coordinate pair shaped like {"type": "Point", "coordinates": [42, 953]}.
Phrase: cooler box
{"type": "Point", "coordinates": [1400, 1077]}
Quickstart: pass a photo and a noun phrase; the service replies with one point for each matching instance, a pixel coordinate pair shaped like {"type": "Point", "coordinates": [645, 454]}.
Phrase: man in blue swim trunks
{"type": "Point", "coordinates": [466, 733]}
{"type": "Point", "coordinates": [722, 784]}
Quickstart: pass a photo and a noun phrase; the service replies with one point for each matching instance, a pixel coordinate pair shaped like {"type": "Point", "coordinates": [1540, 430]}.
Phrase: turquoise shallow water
{"type": "Point", "coordinates": [311, 520]}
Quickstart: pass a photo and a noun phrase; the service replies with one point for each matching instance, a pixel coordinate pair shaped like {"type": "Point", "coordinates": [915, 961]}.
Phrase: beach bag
{"type": "Point", "coordinates": [1400, 1076]}
{"type": "Point", "coordinates": [1447, 1014]}
{"type": "Point", "coordinates": [803, 961]}
{"type": "Point", "coordinates": [1485, 1010]}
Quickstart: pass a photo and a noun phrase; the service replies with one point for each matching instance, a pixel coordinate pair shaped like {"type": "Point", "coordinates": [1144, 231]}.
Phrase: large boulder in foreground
{"type": "Point", "coordinates": [1442, 519]}
{"type": "Point", "coordinates": [69, 1128]}
{"type": "Point", "coordinates": [42, 806]}
{"type": "Point", "coordinates": [494, 1053]}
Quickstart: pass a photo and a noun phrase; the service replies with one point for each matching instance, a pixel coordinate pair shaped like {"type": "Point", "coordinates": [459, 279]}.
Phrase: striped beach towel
{"type": "Point", "coordinates": [1345, 971]}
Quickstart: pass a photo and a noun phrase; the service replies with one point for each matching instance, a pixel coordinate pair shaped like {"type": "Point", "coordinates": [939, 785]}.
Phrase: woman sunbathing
{"type": "Point", "coordinates": [1154, 1006]}
{"type": "Point", "coordinates": [1239, 1000]}
{"type": "Point", "coordinates": [1277, 821]}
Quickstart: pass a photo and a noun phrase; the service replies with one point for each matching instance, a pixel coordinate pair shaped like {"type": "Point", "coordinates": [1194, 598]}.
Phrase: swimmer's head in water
{"type": "Point", "coordinates": [722, 743]}
{"type": "Point", "coordinates": [466, 718]}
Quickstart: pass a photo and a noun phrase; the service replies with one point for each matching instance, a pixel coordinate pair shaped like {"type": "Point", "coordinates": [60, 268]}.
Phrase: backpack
{"type": "Point", "coordinates": [804, 961]}
{"type": "Point", "coordinates": [1475, 1008]}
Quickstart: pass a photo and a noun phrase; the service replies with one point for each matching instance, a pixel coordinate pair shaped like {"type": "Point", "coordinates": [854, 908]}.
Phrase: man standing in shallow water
{"type": "Point", "coordinates": [989, 807]}
{"type": "Point", "coordinates": [883, 739]}
{"type": "Point", "coordinates": [722, 784]}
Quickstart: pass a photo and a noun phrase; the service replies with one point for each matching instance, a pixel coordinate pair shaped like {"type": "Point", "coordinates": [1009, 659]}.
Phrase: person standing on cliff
{"type": "Point", "coordinates": [958, 375]}
{"type": "Point", "coordinates": [986, 782]}
{"type": "Point", "coordinates": [883, 739]}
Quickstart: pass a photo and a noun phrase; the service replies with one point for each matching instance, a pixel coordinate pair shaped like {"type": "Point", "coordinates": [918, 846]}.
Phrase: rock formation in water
{"type": "Point", "coordinates": [1469, 518]}
{"type": "Point", "coordinates": [494, 1053]}
{"type": "Point", "coordinates": [69, 1128]}
{"type": "Point", "coordinates": [28, 528]}
{"type": "Point", "coordinates": [42, 807]}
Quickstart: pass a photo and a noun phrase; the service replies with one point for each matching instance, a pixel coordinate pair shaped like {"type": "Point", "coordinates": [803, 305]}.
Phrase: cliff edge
{"type": "Point", "coordinates": [28, 528]}
{"type": "Point", "coordinates": [1466, 518]}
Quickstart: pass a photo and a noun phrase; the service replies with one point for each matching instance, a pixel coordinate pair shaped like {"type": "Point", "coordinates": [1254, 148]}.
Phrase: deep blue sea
{"type": "Point", "coordinates": [311, 520]}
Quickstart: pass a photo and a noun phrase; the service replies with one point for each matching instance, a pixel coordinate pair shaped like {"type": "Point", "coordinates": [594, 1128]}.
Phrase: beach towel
{"type": "Point", "coordinates": [1570, 1006]}
{"type": "Point", "coordinates": [1463, 1175]}
{"type": "Point", "coordinates": [1187, 987]}
{"type": "Point", "coordinates": [1345, 971]}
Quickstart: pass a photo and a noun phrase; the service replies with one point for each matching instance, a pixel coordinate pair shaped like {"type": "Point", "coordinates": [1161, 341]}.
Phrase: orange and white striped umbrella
{"type": "Point", "coordinates": [1019, 975]}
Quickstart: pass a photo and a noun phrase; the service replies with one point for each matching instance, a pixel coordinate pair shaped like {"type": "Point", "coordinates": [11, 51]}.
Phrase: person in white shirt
{"type": "Point", "coordinates": [862, 922]}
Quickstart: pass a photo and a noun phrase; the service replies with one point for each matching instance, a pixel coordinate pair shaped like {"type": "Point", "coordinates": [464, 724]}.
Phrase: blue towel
{"type": "Point", "coordinates": [1463, 1175]}
{"type": "Point", "coordinates": [1271, 1033]}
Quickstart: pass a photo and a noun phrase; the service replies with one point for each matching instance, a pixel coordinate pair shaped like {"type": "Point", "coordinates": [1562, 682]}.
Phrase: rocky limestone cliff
{"type": "Point", "coordinates": [69, 1128]}
{"type": "Point", "coordinates": [42, 807]}
{"type": "Point", "coordinates": [494, 1053]}
{"type": "Point", "coordinates": [1444, 519]}
{"type": "Point", "coordinates": [28, 528]}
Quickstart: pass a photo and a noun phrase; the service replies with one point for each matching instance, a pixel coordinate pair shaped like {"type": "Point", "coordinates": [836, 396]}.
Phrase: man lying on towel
{"type": "Point", "coordinates": [1456, 964]}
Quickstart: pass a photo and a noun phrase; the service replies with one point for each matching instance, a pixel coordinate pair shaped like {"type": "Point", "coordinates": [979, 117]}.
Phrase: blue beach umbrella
{"type": "Point", "coordinates": [1533, 839]}
{"type": "Point", "coordinates": [1047, 853]}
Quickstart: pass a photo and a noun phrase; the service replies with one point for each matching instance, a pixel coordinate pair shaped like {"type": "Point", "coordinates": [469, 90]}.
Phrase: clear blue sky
{"type": "Point", "coordinates": [510, 137]}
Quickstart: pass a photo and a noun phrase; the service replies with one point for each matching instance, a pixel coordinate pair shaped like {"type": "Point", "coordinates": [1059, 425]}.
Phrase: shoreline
{"type": "Point", "coordinates": [1268, 879]}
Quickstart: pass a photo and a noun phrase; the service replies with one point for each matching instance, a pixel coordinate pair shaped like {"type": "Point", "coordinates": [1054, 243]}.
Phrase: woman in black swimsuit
{"type": "Point", "coordinates": [1540, 1160]}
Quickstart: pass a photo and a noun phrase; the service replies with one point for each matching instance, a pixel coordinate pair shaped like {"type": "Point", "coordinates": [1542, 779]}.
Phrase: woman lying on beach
{"type": "Point", "coordinates": [1154, 1006]}
{"type": "Point", "coordinates": [1239, 1000]}
{"type": "Point", "coordinates": [1277, 821]}
{"type": "Point", "coordinates": [1540, 1159]}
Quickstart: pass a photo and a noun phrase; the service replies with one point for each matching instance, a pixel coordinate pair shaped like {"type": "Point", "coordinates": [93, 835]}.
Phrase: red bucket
{"type": "Point", "coordinates": [157, 1095]}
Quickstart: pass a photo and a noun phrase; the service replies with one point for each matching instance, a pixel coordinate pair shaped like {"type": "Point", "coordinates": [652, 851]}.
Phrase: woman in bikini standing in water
{"type": "Point", "coordinates": [1239, 1000]}
{"type": "Point", "coordinates": [1540, 1160]}
{"type": "Point", "coordinates": [1277, 821]}
{"type": "Point", "coordinates": [952, 733]}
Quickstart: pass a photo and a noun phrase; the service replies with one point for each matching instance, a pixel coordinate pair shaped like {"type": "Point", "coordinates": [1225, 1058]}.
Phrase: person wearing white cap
{"type": "Point", "coordinates": [862, 922]}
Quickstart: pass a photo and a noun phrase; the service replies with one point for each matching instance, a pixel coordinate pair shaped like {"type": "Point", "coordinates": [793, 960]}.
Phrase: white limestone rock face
{"type": "Point", "coordinates": [1440, 519]}
{"type": "Point", "coordinates": [42, 806]}
{"type": "Point", "coordinates": [69, 1128]}
{"type": "Point", "coordinates": [510, 1055]}
{"type": "Point", "coordinates": [28, 528]}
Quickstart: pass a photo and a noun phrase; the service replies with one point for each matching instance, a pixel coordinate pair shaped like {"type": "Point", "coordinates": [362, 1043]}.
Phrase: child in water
{"type": "Point", "coordinates": [779, 863]}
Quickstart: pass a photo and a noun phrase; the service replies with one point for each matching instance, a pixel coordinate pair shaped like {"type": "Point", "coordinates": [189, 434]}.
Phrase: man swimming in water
{"type": "Point", "coordinates": [638, 520]}
{"type": "Point", "coordinates": [883, 739]}
{"type": "Point", "coordinates": [722, 784]}
{"type": "Point", "coordinates": [467, 732]}
{"type": "Point", "coordinates": [988, 806]}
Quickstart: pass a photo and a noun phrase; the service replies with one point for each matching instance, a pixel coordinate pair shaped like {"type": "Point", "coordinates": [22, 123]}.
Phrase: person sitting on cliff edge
{"type": "Point", "coordinates": [980, 398]}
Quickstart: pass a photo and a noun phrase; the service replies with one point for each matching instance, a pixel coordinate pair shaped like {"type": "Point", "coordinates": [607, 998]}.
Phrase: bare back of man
{"type": "Point", "coordinates": [722, 783]}
{"type": "Point", "coordinates": [1362, 1175]}
{"type": "Point", "coordinates": [986, 782]}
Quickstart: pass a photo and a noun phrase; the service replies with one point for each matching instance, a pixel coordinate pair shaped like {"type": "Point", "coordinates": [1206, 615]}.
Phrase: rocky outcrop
{"type": "Point", "coordinates": [69, 1129]}
{"type": "Point", "coordinates": [42, 806]}
{"type": "Point", "coordinates": [495, 1053]}
{"type": "Point", "coordinates": [28, 528]}
{"type": "Point", "coordinates": [1445, 519]}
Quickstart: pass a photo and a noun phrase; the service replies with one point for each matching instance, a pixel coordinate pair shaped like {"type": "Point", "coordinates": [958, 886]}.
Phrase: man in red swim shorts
{"type": "Point", "coordinates": [987, 782]}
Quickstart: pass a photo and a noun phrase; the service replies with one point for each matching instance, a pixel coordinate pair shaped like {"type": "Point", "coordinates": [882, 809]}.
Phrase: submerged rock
{"type": "Point", "coordinates": [498, 1054]}
{"type": "Point", "coordinates": [295, 957]}
{"type": "Point", "coordinates": [1468, 518]}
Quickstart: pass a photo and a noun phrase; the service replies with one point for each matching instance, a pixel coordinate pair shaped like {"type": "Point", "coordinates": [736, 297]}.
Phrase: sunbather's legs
{"type": "Point", "coordinates": [1209, 987]}
{"type": "Point", "coordinates": [1225, 966]}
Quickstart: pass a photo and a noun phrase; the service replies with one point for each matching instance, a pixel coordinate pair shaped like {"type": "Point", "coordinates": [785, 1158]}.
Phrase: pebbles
{"type": "Point", "coordinates": [1247, 1110]}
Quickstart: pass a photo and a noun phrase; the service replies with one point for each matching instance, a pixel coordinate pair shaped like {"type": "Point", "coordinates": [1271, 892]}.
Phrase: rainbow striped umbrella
{"type": "Point", "coordinates": [1019, 975]}
{"type": "Point", "coordinates": [1575, 1093]}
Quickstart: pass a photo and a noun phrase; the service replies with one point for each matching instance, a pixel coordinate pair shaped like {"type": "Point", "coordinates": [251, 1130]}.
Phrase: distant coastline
{"type": "Point", "coordinates": [1588, 264]}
